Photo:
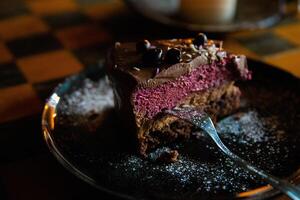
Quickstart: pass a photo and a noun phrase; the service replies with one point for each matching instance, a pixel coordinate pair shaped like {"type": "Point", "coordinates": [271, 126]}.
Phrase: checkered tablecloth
{"type": "Point", "coordinates": [43, 41]}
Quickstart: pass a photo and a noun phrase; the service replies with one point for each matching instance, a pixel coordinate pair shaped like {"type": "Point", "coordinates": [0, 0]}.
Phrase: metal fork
{"type": "Point", "coordinates": [204, 122]}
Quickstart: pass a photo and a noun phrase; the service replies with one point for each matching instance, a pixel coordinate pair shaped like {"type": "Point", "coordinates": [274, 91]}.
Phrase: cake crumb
{"type": "Point", "coordinates": [164, 155]}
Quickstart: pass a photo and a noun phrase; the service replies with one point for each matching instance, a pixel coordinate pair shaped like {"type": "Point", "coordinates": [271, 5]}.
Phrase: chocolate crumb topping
{"type": "Point", "coordinates": [156, 57]}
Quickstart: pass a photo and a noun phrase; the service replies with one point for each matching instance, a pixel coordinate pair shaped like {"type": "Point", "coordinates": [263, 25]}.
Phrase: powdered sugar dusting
{"type": "Point", "coordinates": [208, 170]}
{"type": "Point", "coordinates": [192, 175]}
{"type": "Point", "coordinates": [87, 103]}
{"type": "Point", "coordinates": [251, 128]}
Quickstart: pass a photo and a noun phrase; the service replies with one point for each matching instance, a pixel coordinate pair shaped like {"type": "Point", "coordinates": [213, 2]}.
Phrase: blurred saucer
{"type": "Point", "coordinates": [250, 14]}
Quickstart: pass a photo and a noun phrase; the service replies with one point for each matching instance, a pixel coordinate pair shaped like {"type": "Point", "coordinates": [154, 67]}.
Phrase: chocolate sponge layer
{"type": "Point", "coordinates": [165, 129]}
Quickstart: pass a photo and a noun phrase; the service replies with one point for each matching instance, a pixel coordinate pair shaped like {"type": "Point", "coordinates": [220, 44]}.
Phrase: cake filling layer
{"type": "Point", "coordinates": [164, 129]}
{"type": "Point", "coordinates": [148, 102]}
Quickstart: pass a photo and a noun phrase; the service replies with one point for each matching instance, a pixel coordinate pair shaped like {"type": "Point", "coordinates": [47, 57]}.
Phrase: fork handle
{"type": "Point", "coordinates": [284, 186]}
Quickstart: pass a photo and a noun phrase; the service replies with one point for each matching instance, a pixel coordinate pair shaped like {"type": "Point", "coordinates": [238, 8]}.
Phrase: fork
{"type": "Point", "coordinates": [203, 121]}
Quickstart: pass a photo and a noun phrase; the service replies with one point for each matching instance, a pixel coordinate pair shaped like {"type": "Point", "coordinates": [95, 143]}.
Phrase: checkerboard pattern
{"type": "Point", "coordinates": [44, 41]}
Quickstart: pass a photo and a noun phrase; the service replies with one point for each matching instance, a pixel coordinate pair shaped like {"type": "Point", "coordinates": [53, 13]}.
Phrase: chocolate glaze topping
{"type": "Point", "coordinates": [126, 59]}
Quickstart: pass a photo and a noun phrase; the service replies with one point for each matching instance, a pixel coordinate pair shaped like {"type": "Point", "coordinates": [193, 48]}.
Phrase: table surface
{"type": "Point", "coordinates": [44, 41]}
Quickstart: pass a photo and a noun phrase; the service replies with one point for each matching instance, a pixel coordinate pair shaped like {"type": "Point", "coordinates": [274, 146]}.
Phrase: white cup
{"type": "Point", "coordinates": [208, 11]}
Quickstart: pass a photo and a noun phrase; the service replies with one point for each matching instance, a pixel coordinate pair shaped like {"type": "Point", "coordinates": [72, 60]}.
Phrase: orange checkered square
{"type": "Point", "coordinates": [5, 55]}
{"type": "Point", "coordinates": [290, 32]}
{"type": "Point", "coordinates": [18, 101]}
{"type": "Point", "coordinates": [82, 36]}
{"type": "Point", "coordinates": [21, 26]}
{"type": "Point", "coordinates": [46, 7]}
{"type": "Point", "coordinates": [288, 61]}
{"type": "Point", "coordinates": [105, 10]}
{"type": "Point", "coordinates": [47, 66]}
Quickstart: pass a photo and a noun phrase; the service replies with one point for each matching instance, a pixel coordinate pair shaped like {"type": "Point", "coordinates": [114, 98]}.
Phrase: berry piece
{"type": "Point", "coordinates": [152, 56]}
{"type": "Point", "coordinates": [142, 46]}
{"type": "Point", "coordinates": [173, 56]}
{"type": "Point", "coordinates": [200, 39]}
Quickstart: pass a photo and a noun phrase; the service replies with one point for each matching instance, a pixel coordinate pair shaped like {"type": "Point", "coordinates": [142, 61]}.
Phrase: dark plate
{"type": "Point", "coordinates": [82, 131]}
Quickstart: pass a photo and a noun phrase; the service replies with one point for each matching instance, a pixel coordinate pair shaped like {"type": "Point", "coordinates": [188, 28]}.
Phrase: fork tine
{"type": "Point", "coordinates": [187, 113]}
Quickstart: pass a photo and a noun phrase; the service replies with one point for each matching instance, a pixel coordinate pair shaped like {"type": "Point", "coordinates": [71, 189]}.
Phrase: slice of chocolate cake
{"type": "Point", "coordinates": [149, 77]}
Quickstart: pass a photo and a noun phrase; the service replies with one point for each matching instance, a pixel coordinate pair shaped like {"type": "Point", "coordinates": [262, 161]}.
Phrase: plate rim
{"type": "Point", "coordinates": [49, 109]}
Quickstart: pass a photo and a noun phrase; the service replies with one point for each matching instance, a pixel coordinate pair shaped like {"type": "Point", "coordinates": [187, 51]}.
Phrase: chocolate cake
{"type": "Point", "coordinates": [150, 76]}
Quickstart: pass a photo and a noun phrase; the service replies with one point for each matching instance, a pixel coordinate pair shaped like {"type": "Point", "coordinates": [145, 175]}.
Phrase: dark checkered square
{"type": "Point", "coordinates": [44, 89]}
{"type": "Point", "coordinates": [3, 193]}
{"type": "Point", "coordinates": [288, 20]}
{"type": "Point", "coordinates": [90, 2]}
{"type": "Point", "coordinates": [66, 19]}
{"type": "Point", "coordinates": [10, 75]}
{"type": "Point", "coordinates": [90, 56]}
{"type": "Point", "coordinates": [266, 43]}
{"type": "Point", "coordinates": [13, 136]}
{"type": "Point", "coordinates": [33, 44]}
{"type": "Point", "coordinates": [10, 8]}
